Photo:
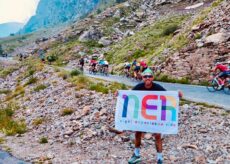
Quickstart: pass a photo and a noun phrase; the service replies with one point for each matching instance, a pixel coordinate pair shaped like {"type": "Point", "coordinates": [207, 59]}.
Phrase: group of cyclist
{"type": "Point", "coordinates": [95, 65]}
{"type": "Point", "coordinates": [137, 68]}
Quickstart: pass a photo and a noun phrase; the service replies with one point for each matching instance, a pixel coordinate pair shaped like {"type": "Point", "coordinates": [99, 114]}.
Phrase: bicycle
{"type": "Point", "coordinates": [126, 73]}
{"type": "Point", "coordinates": [213, 83]}
{"type": "Point", "coordinates": [105, 71]}
{"type": "Point", "coordinates": [227, 86]}
{"type": "Point", "coordinates": [92, 70]}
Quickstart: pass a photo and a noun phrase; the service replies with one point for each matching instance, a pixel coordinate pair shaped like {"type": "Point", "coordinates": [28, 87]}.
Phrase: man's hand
{"type": "Point", "coordinates": [116, 93]}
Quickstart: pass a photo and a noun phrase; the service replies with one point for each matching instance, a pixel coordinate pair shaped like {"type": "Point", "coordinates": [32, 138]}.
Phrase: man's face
{"type": "Point", "coordinates": [148, 79]}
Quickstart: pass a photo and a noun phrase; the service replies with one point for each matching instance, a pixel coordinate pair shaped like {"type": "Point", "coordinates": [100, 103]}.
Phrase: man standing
{"type": "Point", "coordinates": [148, 85]}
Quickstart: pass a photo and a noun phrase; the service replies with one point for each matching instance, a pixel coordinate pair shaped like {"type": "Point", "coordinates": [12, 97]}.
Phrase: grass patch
{"type": "Point", "coordinates": [81, 82]}
{"type": "Point", "coordinates": [19, 90]}
{"type": "Point", "coordinates": [43, 140]}
{"type": "Point", "coordinates": [63, 74]}
{"type": "Point", "coordinates": [37, 121]}
{"type": "Point", "coordinates": [75, 72]}
{"type": "Point", "coordinates": [170, 29]}
{"type": "Point", "coordinates": [205, 105]}
{"type": "Point", "coordinates": [40, 87]}
{"type": "Point", "coordinates": [166, 78]}
{"type": "Point", "coordinates": [2, 140]}
{"type": "Point", "coordinates": [117, 86]}
{"type": "Point", "coordinates": [92, 43]}
{"type": "Point", "coordinates": [5, 91]}
{"type": "Point", "coordinates": [7, 124]}
{"type": "Point", "coordinates": [31, 80]}
{"type": "Point", "coordinates": [147, 43]}
{"type": "Point", "coordinates": [184, 101]}
{"type": "Point", "coordinates": [7, 71]}
{"type": "Point", "coordinates": [66, 111]}
{"type": "Point", "coordinates": [225, 113]}
{"type": "Point", "coordinates": [99, 87]}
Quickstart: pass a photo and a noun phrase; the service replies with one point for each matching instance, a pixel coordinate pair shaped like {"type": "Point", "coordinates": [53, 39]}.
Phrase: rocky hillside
{"type": "Point", "coordinates": [209, 42]}
{"type": "Point", "coordinates": [55, 12]}
{"type": "Point", "coordinates": [60, 121]}
{"type": "Point", "coordinates": [170, 35]}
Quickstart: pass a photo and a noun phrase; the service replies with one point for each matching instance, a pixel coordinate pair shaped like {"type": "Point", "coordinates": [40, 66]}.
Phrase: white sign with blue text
{"type": "Point", "coordinates": [147, 111]}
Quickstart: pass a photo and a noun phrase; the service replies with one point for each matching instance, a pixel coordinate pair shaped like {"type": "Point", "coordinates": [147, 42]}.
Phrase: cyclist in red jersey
{"type": "Point", "coordinates": [224, 73]}
{"type": "Point", "coordinates": [144, 65]}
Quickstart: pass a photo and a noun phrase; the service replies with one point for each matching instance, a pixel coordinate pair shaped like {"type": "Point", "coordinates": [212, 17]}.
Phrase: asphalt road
{"type": "Point", "coordinates": [191, 92]}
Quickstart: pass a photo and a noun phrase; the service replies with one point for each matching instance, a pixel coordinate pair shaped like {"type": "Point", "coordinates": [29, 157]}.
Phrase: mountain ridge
{"type": "Point", "coordinates": [10, 28]}
{"type": "Point", "coordinates": [54, 12]}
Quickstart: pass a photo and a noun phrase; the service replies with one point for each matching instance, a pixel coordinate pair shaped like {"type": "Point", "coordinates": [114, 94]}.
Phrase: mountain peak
{"type": "Point", "coordinates": [54, 12]}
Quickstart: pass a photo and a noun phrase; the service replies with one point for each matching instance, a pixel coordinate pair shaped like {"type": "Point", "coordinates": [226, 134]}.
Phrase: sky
{"type": "Point", "coordinates": [17, 10]}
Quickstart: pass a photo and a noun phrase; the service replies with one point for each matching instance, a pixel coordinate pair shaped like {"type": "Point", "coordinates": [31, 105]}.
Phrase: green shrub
{"type": "Point", "coordinates": [117, 86]}
{"type": "Point", "coordinates": [184, 81]}
{"type": "Point", "coordinates": [52, 58]}
{"type": "Point", "coordinates": [2, 140]}
{"type": "Point", "coordinates": [7, 71]}
{"type": "Point", "coordinates": [18, 91]}
{"type": "Point", "coordinates": [81, 82]}
{"type": "Point", "coordinates": [43, 140]}
{"type": "Point", "coordinates": [138, 53]}
{"type": "Point", "coordinates": [8, 125]}
{"type": "Point", "coordinates": [75, 72]}
{"type": "Point", "coordinates": [99, 87]}
{"type": "Point", "coordinates": [31, 72]}
{"type": "Point", "coordinates": [40, 87]}
{"type": "Point", "coordinates": [198, 36]}
{"type": "Point", "coordinates": [37, 121]}
{"type": "Point", "coordinates": [63, 74]}
{"type": "Point", "coordinates": [92, 43]}
{"type": "Point", "coordinates": [66, 111]}
{"type": "Point", "coordinates": [216, 3]}
{"type": "Point", "coordinates": [166, 78]}
{"type": "Point", "coordinates": [170, 29]}
{"type": "Point", "coordinates": [31, 80]}
{"type": "Point", "coordinates": [4, 91]}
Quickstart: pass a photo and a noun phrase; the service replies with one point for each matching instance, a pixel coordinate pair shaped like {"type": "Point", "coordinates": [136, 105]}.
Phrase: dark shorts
{"type": "Point", "coordinates": [127, 67]}
{"type": "Point", "coordinates": [137, 68]}
{"type": "Point", "coordinates": [106, 65]}
{"type": "Point", "coordinates": [224, 74]}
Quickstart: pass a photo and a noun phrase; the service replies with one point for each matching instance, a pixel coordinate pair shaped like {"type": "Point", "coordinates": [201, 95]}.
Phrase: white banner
{"type": "Point", "coordinates": [147, 111]}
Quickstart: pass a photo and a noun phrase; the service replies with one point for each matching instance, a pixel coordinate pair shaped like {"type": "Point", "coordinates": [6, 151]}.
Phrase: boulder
{"type": "Point", "coordinates": [85, 110]}
{"type": "Point", "coordinates": [217, 38]}
{"type": "Point", "coordinates": [92, 34]}
{"type": "Point", "coordinates": [105, 41]}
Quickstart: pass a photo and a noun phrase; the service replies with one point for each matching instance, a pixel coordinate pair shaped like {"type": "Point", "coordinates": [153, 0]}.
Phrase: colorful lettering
{"type": "Point", "coordinates": [146, 107]}
{"type": "Point", "coordinates": [164, 99]}
{"type": "Point", "coordinates": [125, 106]}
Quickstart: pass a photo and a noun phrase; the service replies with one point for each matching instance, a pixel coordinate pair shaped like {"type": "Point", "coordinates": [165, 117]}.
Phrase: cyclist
{"type": "Point", "coordinates": [82, 63]}
{"type": "Point", "coordinates": [134, 63]}
{"type": "Point", "coordinates": [127, 69]}
{"type": "Point", "coordinates": [224, 73]}
{"type": "Point", "coordinates": [93, 64]}
{"type": "Point", "coordinates": [101, 65]}
{"type": "Point", "coordinates": [20, 57]}
{"type": "Point", "coordinates": [106, 67]}
{"type": "Point", "coordinates": [144, 65]}
{"type": "Point", "coordinates": [136, 71]}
